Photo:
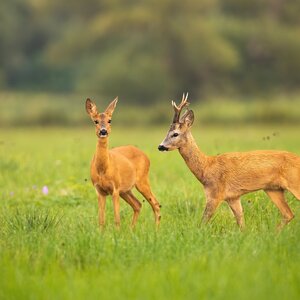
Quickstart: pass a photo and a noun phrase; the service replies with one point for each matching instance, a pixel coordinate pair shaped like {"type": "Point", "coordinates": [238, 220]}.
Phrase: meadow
{"type": "Point", "coordinates": [51, 247]}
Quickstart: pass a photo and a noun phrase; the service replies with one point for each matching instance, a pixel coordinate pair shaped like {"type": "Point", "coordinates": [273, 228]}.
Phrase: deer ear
{"type": "Point", "coordinates": [111, 107]}
{"type": "Point", "coordinates": [189, 118]}
{"type": "Point", "coordinates": [90, 107]}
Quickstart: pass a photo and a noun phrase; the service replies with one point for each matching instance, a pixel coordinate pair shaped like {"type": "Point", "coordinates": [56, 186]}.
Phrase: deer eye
{"type": "Point", "coordinates": [109, 121]}
{"type": "Point", "coordinates": [96, 122]}
{"type": "Point", "coordinates": [175, 134]}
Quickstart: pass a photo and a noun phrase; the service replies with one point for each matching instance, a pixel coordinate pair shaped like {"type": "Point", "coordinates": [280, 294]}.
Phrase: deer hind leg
{"type": "Point", "coordinates": [144, 188]}
{"type": "Point", "coordinates": [237, 209]}
{"type": "Point", "coordinates": [277, 196]}
{"type": "Point", "coordinates": [295, 190]}
{"type": "Point", "coordinates": [134, 203]}
{"type": "Point", "coordinates": [293, 181]}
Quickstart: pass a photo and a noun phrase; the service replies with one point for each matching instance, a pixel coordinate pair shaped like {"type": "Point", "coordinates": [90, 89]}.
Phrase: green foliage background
{"type": "Point", "coordinates": [149, 50]}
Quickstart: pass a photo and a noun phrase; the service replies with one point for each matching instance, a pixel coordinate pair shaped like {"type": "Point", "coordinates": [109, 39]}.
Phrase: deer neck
{"type": "Point", "coordinates": [102, 155]}
{"type": "Point", "coordinates": [195, 159]}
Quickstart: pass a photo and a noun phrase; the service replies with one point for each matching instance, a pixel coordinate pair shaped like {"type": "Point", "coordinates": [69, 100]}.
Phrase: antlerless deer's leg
{"type": "Point", "coordinates": [101, 209]}
{"type": "Point", "coordinates": [277, 196]}
{"type": "Point", "coordinates": [134, 203]}
{"type": "Point", "coordinates": [116, 204]}
{"type": "Point", "coordinates": [237, 209]}
{"type": "Point", "coordinates": [137, 207]}
{"type": "Point", "coordinates": [144, 188]}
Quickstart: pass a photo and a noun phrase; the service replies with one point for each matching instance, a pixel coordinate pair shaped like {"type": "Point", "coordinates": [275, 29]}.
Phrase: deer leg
{"type": "Point", "coordinates": [116, 204]}
{"type": "Point", "coordinates": [144, 189]}
{"type": "Point", "coordinates": [212, 202]}
{"type": "Point", "coordinates": [277, 197]}
{"type": "Point", "coordinates": [237, 209]}
{"type": "Point", "coordinates": [134, 203]}
{"type": "Point", "coordinates": [209, 211]}
{"type": "Point", "coordinates": [101, 209]}
{"type": "Point", "coordinates": [295, 191]}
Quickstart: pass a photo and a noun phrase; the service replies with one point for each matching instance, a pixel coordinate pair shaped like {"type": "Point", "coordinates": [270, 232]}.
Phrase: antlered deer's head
{"type": "Point", "coordinates": [177, 134]}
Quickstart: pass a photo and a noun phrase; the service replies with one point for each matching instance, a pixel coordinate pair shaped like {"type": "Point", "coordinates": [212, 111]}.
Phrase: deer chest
{"type": "Point", "coordinates": [104, 185]}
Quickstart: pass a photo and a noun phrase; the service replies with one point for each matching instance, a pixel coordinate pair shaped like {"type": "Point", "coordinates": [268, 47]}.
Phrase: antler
{"type": "Point", "coordinates": [178, 109]}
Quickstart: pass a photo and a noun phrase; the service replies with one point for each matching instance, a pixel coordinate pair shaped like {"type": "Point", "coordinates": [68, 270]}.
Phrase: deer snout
{"type": "Point", "coordinates": [103, 132]}
{"type": "Point", "coordinates": [162, 148]}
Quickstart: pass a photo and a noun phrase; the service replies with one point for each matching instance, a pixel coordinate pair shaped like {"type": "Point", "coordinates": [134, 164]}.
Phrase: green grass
{"type": "Point", "coordinates": [51, 248]}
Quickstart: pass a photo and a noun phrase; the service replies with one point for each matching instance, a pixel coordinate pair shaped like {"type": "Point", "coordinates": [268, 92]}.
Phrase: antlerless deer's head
{"type": "Point", "coordinates": [102, 121]}
{"type": "Point", "coordinates": [177, 134]}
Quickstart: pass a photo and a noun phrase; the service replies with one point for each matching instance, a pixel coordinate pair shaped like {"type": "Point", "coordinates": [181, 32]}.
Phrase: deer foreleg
{"type": "Point", "coordinates": [213, 199]}
{"type": "Point", "coordinates": [209, 211]}
{"type": "Point", "coordinates": [210, 208]}
{"type": "Point", "coordinates": [116, 204]}
{"type": "Point", "coordinates": [101, 209]}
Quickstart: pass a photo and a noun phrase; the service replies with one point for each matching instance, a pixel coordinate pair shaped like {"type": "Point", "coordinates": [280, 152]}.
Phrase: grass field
{"type": "Point", "coordinates": [51, 248]}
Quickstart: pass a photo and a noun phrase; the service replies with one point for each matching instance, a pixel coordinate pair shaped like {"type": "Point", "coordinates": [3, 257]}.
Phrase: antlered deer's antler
{"type": "Point", "coordinates": [178, 109]}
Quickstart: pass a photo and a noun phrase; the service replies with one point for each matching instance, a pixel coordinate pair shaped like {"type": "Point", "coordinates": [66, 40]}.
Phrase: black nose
{"type": "Point", "coordinates": [103, 132]}
{"type": "Point", "coordinates": [162, 148]}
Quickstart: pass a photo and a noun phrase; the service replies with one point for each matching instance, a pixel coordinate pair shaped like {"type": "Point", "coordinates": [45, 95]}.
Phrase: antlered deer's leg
{"type": "Point", "coordinates": [237, 209]}
{"type": "Point", "coordinates": [116, 204]}
{"type": "Point", "coordinates": [209, 210]}
{"type": "Point", "coordinates": [212, 202]}
{"type": "Point", "coordinates": [277, 196]}
{"type": "Point", "coordinates": [295, 190]}
{"type": "Point", "coordinates": [134, 203]}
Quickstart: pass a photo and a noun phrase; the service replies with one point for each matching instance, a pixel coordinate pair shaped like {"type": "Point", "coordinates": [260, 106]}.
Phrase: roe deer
{"type": "Point", "coordinates": [117, 171]}
{"type": "Point", "coordinates": [230, 175]}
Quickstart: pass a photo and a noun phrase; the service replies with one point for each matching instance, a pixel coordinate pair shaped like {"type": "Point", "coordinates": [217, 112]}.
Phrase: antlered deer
{"type": "Point", "coordinates": [230, 175]}
{"type": "Point", "coordinates": [117, 171]}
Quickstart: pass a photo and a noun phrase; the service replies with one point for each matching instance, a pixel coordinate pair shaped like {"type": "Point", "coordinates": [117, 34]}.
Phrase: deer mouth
{"type": "Point", "coordinates": [162, 148]}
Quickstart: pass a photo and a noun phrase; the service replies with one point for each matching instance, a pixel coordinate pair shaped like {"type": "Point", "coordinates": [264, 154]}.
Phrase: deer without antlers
{"type": "Point", "coordinates": [117, 171]}
{"type": "Point", "coordinates": [228, 176]}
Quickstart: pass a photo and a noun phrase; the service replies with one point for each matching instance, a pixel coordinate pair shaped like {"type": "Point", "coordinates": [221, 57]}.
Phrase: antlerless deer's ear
{"type": "Point", "coordinates": [90, 107]}
{"type": "Point", "coordinates": [111, 107]}
{"type": "Point", "coordinates": [189, 118]}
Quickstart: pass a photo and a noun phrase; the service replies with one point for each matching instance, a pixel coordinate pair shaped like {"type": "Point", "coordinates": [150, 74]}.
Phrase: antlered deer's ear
{"type": "Point", "coordinates": [111, 107]}
{"type": "Point", "coordinates": [90, 107]}
{"type": "Point", "coordinates": [189, 118]}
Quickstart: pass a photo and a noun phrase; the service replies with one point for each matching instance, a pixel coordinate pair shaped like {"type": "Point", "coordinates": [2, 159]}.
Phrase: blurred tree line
{"type": "Point", "coordinates": [147, 50]}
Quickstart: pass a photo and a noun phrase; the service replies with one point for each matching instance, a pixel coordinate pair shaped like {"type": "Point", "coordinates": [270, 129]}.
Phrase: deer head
{"type": "Point", "coordinates": [102, 121]}
{"type": "Point", "coordinates": [177, 134]}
